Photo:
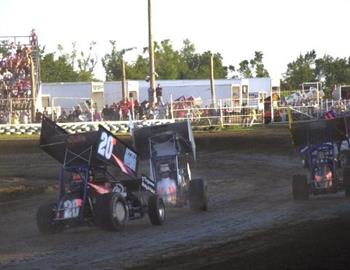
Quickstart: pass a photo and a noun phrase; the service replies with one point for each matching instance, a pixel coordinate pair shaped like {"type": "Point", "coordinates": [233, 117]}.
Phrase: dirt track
{"type": "Point", "coordinates": [252, 222]}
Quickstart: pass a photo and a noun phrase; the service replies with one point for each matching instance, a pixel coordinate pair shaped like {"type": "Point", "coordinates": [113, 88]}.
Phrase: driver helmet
{"type": "Point", "coordinates": [164, 170]}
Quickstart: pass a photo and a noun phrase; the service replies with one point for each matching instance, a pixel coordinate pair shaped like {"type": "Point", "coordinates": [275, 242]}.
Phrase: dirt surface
{"type": "Point", "coordinates": [252, 222]}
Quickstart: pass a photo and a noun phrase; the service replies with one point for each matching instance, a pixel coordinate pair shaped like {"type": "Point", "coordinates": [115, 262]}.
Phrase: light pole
{"type": "Point", "coordinates": [152, 92]}
{"type": "Point", "coordinates": [212, 82]}
{"type": "Point", "coordinates": [124, 86]}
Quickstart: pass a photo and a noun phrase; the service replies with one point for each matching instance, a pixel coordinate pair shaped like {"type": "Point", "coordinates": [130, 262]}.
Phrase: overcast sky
{"type": "Point", "coordinates": [281, 29]}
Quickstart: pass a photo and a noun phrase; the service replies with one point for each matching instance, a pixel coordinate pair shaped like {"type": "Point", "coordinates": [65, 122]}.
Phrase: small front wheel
{"type": "Point", "coordinates": [198, 196]}
{"type": "Point", "coordinates": [45, 219]}
{"type": "Point", "coordinates": [300, 188]}
{"type": "Point", "coordinates": [156, 210]}
{"type": "Point", "coordinates": [346, 181]}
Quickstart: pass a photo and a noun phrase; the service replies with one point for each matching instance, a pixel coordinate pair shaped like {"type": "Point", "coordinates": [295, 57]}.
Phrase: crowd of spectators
{"type": "Point", "coordinates": [16, 81]}
{"type": "Point", "coordinates": [119, 111]}
{"type": "Point", "coordinates": [124, 110]}
{"type": "Point", "coordinates": [15, 72]}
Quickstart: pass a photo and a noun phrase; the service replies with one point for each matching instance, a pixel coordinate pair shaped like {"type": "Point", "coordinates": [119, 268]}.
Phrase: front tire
{"type": "Point", "coordinates": [111, 212]}
{"type": "Point", "coordinates": [346, 181]}
{"type": "Point", "coordinates": [45, 219]}
{"type": "Point", "coordinates": [198, 197]}
{"type": "Point", "coordinates": [156, 210]}
{"type": "Point", "coordinates": [344, 159]}
{"type": "Point", "coordinates": [300, 188]}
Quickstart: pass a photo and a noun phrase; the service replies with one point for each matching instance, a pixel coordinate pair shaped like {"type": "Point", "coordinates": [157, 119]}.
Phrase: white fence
{"type": "Point", "coordinates": [226, 112]}
{"type": "Point", "coordinates": [16, 110]}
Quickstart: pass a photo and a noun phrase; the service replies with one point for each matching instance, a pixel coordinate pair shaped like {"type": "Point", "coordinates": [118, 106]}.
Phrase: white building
{"type": "Point", "coordinates": [68, 95]}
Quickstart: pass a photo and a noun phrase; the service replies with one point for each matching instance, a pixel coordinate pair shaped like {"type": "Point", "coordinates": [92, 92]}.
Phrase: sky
{"type": "Point", "coordinates": [281, 29]}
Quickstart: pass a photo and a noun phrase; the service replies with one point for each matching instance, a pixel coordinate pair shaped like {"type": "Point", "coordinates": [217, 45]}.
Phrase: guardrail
{"type": "Point", "coordinates": [79, 127]}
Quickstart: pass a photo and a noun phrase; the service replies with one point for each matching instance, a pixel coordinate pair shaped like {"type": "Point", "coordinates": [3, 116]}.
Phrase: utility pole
{"type": "Point", "coordinates": [152, 94]}
{"type": "Point", "coordinates": [124, 88]}
{"type": "Point", "coordinates": [212, 82]}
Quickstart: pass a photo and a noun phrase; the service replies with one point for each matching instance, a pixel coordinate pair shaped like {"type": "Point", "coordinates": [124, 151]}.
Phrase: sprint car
{"type": "Point", "coordinates": [89, 191]}
{"type": "Point", "coordinates": [170, 149]}
{"type": "Point", "coordinates": [324, 148]}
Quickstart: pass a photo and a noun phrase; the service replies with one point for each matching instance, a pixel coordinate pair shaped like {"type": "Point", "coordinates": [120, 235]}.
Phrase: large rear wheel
{"type": "Point", "coordinates": [300, 188]}
{"type": "Point", "coordinates": [111, 211]}
{"type": "Point", "coordinates": [198, 197]}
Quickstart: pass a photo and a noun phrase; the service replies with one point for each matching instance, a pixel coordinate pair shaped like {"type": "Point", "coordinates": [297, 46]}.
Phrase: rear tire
{"type": "Point", "coordinates": [346, 181]}
{"type": "Point", "coordinates": [300, 188]}
{"type": "Point", "coordinates": [111, 212]}
{"type": "Point", "coordinates": [344, 159]}
{"type": "Point", "coordinates": [156, 210]}
{"type": "Point", "coordinates": [305, 162]}
{"type": "Point", "coordinates": [45, 219]}
{"type": "Point", "coordinates": [198, 197]}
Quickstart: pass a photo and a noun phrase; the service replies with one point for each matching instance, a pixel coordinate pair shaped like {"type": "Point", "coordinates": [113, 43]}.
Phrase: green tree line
{"type": "Point", "coordinates": [310, 68]}
{"type": "Point", "coordinates": [188, 63]}
{"type": "Point", "coordinates": [171, 64]}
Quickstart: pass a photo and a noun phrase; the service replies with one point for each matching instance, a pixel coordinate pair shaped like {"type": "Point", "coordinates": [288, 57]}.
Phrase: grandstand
{"type": "Point", "coordinates": [19, 78]}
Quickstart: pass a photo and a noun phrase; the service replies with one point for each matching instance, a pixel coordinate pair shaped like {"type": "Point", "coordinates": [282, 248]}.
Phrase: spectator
{"type": "Point", "coordinates": [244, 115]}
{"type": "Point", "coordinates": [15, 118]}
{"type": "Point", "coordinates": [253, 117]}
{"type": "Point", "coordinates": [33, 39]}
{"type": "Point", "coordinates": [54, 116]}
{"type": "Point", "coordinates": [70, 117]}
{"type": "Point", "coordinates": [124, 109]}
{"type": "Point", "coordinates": [105, 113]}
{"type": "Point", "coordinates": [45, 113]}
{"type": "Point", "coordinates": [136, 109]}
{"type": "Point", "coordinates": [159, 94]}
{"type": "Point", "coordinates": [330, 115]}
{"type": "Point", "coordinates": [3, 118]}
{"type": "Point", "coordinates": [63, 117]}
{"type": "Point", "coordinates": [97, 116]}
{"type": "Point", "coordinates": [38, 116]}
{"type": "Point", "coordinates": [76, 114]}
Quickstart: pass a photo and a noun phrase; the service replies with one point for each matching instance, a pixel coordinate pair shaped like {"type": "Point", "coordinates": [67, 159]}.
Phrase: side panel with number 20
{"type": "Point", "coordinates": [105, 148]}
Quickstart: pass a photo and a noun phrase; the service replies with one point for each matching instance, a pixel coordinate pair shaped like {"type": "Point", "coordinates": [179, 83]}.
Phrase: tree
{"type": "Point", "coordinates": [204, 66]}
{"type": "Point", "coordinates": [254, 67]}
{"type": "Point", "coordinates": [245, 70]}
{"type": "Point", "coordinates": [112, 62]}
{"type": "Point", "coordinates": [57, 70]}
{"type": "Point", "coordinates": [67, 67]}
{"type": "Point", "coordinates": [260, 70]}
{"type": "Point", "coordinates": [299, 71]}
{"type": "Point", "coordinates": [231, 72]}
{"type": "Point", "coordinates": [86, 63]}
{"type": "Point", "coordinates": [167, 60]}
{"type": "Point", "coordinates": [139, 69]}
{"type": "Point", "coordinates": [332, 71]}
{"type": "Point", "coordinates": [170, 64]}
{"type": "Point", "coordinates": [189, 61]}
{"type": "Point", "coordinates": [308, 67]}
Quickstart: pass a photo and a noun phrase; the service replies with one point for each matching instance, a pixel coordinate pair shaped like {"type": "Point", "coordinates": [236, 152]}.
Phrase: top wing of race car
{"type": "Point", "coordinates": [159, 137]}
{"type": "Point", "coordinates": [93, 148]}
{"type": "Point", "coordinates": [319, 131]}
